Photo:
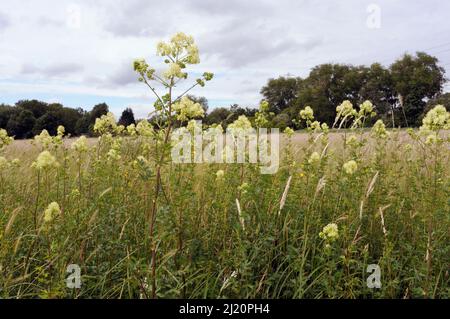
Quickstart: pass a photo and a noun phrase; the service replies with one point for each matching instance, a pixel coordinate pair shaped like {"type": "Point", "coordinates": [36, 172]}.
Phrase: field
{"type": "Point", "coordinates": [224, 230]}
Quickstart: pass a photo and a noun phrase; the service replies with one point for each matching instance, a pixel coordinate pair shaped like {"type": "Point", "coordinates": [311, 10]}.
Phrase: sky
{"type": "Point", "coordinates": [80, 53]}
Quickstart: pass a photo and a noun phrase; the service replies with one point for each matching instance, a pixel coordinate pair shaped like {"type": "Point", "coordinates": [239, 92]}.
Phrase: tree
{"type": "Point", "coordinates": [21, 125]}
{"type": "Point", "coordinates": [327, 86]}
{"type": "Point", "coordinates": [378, 88]}
{"type": "Point", "coordinates": [217, 116]}
{"type": "Point", "coordinates": [49, 121]}
{"type": "Point", "coordinates": [415, 79]}
{"type": "Point", "coordinates": [281, 93]}
{"type": "Point", "coordinates": [127, 117]}
{"type": "Point", "coordinates": [97, 111]}
{"type": "Point", "coordinates": [38, 108]}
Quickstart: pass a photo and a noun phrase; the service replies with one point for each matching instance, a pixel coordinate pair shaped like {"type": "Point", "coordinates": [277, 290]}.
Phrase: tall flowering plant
{"type": "Point", "coordinates": [178, 53]}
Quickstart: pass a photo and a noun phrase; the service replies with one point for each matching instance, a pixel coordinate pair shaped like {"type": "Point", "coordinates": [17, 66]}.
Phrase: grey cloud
{"type": "Point", "coordinates": [240, 43]}
{"type": "Point", "coordinates": [4, 21]}
{"type": "Point", "coordinates": [53, 70]}
{"type": "Point", "coordinates": [138, 18]}
{"type": "Point", "coordinates": [124, 75]}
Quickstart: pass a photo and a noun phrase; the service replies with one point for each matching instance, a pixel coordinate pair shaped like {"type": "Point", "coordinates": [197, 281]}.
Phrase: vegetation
{"type": "Point", "coordinates": [141, 226]}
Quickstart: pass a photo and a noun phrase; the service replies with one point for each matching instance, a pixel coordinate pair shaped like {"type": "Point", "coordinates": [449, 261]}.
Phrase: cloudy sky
{"type": "Point", "coordinates": [79, 53]}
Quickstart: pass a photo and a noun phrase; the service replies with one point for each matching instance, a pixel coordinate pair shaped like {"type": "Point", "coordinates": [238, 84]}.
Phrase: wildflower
{"type": "Point", "coordinates": [241, 123]}
{"type": "Point", "coordinates": [61, 130]}
{"type": "Point", "coordinates": [345, 109]}
{"type": "Point", "coordinates": [431, 139]}
{"type": "Point", "coordinates": [4, 138]}
{"type": "Point", "coordinates": [366, 108]}
{"type": "Point", "coordinates": [44, 139]}
{"type": "Point", "coordinates": [352, 140]}
{"type": "Point", "coordinates": [220, 174]}
{"type": "Point", "coordinates": [131, 129]}
{"type": "Point", "coordinates": [244, 188]}
{"type": "Point", "coordinates": [307, 113]}
{"type": "Point", "coordinates": [3, 163]}
{"type": "Point", "coordinates": [105, 124]}
{"type": "Point", "coordinates": [45, 160]}
{"type": "Point", "coordinates": [330, 233]}
{"type": "Point", "coordinates": [289, 132]}
{"type": "Point", "coordinates": [113, 155]}
{"type": "Point", "coordinates": [436, 119]}
{"type": "Point", "coordinates": [325, 127]}
{"type": "Point", "coordinates": [314, 158]}
{"type": "Point", "coordinates": [379, 130]}
{"type": "Point", "coordinates": [144, 128]}
{"type": "Point", "coordinates": [264, 106]}
{"type": "Point", "coordinates": [350, 167]}
{"type": "Point", "coordinates": [186, 109]}
{"type": "Point", "coordinates": [52, 211]}
{"type": "Point", "coordinates": [174, 71]}
{"type": "Point", "coordinates": [80, 145]}
{"type": "Point", "coordinates": [315, 126]}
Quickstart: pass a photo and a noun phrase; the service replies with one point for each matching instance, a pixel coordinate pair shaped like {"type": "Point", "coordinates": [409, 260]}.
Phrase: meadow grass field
{"type": "Point", "coordinates": [338, 203]}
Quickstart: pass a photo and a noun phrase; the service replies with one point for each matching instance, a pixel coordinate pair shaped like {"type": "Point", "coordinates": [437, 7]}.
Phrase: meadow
{"type": "Point", "coordinates": [225, 230]}
{"type": "Point", "coordinates": [353, 211]}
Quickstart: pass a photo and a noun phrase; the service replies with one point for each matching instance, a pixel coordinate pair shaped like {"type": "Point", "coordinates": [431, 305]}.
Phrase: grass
{"type": "Point", "coordinates": [393, 212]}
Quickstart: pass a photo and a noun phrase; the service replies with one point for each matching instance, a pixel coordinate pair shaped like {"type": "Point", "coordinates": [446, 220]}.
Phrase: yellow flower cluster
{"type": "Point", "coordinates": [219, 175]}
{"type": "Point", "coordinates": [307, 113]}
{"type": "Point", "coordinates": [44, 139]}
{"type": "Point", "coordinates": [3, 163]}
{"type": "Point", "coordinates": [345, 109]}
{"type": "Point", "coordinates": [314, 158]}
{"type": "Point", "coordinates": [53, 210]}
{"type": "Point", "coordinates": [80, 145]}
{"type": "Point", "coordinates": [241, 124]}
{"type": "Point", "coordinates": [44, 161]}
{"type": "Point", "coordinates": [179, 44]}
{"type": "Point", "coordinates": [366, 109]}
{"type": "Point", "coordinates": [289, 132]}
{"type": "Point", "coordinates": [436, 119]}
{"type": "Point", "coordinates": [350, 167]}
{"type": "Point", "coordinates": [144, 128]}
{"type": "Point", "coordinates": [330, 232]}
{"type": "Point", "coordinates": [187, 109]}
{"type": "Point", "coordinates": [5, 140]}
{"type": "Point", "coordinates": [105, 124]}
{"type": "Point", "coordinates": [174, 71]}
{"type": "Point", "coordinates": [379, 130]}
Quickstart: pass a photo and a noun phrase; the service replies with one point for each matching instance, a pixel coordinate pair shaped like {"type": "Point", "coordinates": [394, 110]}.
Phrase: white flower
{"type": "Point", "coordinates": [187, 109]}
{"type": "Point", "coordinates": [307, 113]}
{"type": "Point", "coordinates": [45, 160]}
{"type": "Point", "coordinates": [314, 158]}
{"type": "Point", "coordinates": [51, 212]}
{"type": "Point", "coordinates": [350, 167]}
{"type": "Point", "coordinates": [379, 130]}
{"type": "Point", "coordinates": [330, 232]}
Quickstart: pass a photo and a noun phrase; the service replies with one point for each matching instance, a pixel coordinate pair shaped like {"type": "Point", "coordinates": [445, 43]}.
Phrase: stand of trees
{"type": "Point", "coordinates": [400, 93]}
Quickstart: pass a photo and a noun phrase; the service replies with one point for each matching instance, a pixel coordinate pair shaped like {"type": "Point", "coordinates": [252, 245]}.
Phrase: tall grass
{"type": "Point", "coordinates": [217, 238]}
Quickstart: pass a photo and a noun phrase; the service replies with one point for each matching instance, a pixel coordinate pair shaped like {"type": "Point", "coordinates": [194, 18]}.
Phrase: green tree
{"type": "Point", "coordinates": [281, 93]}
{"type": "Point", "coordinates": [415, 79]}
{"type": "Point", "coordinates": [127, 117]}
{"type": "Point", "coordinates": [21, 125]}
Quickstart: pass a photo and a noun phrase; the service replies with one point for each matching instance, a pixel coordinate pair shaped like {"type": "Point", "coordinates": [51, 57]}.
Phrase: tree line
{"type": "Point", "coordinates": [401, 94]}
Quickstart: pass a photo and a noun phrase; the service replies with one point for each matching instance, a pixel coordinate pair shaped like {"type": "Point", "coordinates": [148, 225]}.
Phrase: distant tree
{"type": "Point", "coordinates": [5, 114]}
{"type": "Point", "coordinates": [49, 121]}
{"type": "Point", "coordinates": [97, 111]}
{"type": "Point", "coordinates": [281, 93]}
{"type": "Point", "coordinates": [38, 108]}
{"type": "Point", "coordinates": [21, 125]}
{"type": "Point", "coordinates": [415, 79]}
{"type": "Point", "coordinates": [327, 86]}
{"type": "Point", "coordinates": [281, 121]}
{"type": "Point", "coordinates": [127, 117]}
{"type": "Point", "coordinates": [217, 116]}
{"type": "Point", "coordinates": [377, 87]}
{"type": "Point", "coordinates": [83, 124]}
